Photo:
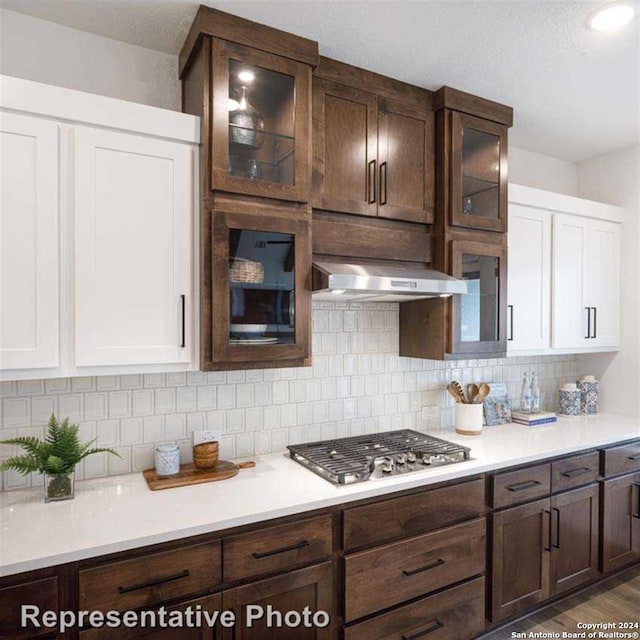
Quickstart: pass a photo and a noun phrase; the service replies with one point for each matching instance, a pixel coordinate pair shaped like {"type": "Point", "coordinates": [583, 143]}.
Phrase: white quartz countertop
{"type": "Point", "coordinates": [119, 512]}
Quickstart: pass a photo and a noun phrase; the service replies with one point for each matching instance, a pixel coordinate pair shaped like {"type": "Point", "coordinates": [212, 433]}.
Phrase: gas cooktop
{"type": "Point", "coordinates": [376, 455]}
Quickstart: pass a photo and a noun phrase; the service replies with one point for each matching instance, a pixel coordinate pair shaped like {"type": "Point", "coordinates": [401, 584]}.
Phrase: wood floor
{"type": "Point", "coordinates": [617, 599]}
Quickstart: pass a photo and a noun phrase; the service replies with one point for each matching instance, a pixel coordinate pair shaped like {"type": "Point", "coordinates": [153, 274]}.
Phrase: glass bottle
{"type": "Point", "coordinates": [535, 393]}
{"type": "Point", "coordinates": [525, 395]}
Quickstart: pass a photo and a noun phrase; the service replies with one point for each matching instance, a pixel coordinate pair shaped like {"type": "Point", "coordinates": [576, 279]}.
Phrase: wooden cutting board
{"type": "Point", "coordinates": [189, 474]}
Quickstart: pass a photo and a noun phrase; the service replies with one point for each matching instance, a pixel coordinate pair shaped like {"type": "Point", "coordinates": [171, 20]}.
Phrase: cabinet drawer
{"type": "Point", "coordinates": [574, 472]}
{"type": "Point", "coordinates": [400, 571]}
{"type": "Point", "coordinates": [411, 515]}
{"type": "Point", "coordinates": [39, 593]}
{"type": "Point", "coordinates": [621, 459]}
{"type": "Point", "coordinates": [454, 614]}
{"type": "Point", "coordinates": [277, 548]}
{"type": "Point", "coordinates": [152, 578]}
{"type": "Point", "coordinates": [519, 486]}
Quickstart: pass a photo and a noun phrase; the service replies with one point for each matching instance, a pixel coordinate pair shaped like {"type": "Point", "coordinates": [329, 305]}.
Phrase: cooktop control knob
{"type": "Point", "coordinates": [387, 465]}
{"type": "Point", "coordinates": [401, 458]}
{"type": "Point", "coordinates": [411, 457]}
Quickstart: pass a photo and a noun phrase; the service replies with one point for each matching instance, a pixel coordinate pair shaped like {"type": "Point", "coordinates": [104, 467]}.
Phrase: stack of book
{"type": "Point", "coordinates": [534, 419]}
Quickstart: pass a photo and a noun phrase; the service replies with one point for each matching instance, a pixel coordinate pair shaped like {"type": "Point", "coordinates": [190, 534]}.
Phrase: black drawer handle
{"type": "Point", "coordinates": [548, 547]}
{"type": "Point", "coordinates": [637, 513]}
{"type": "Point", "coordinates": [434, 627]}
{"type": "Point", "coordinates": [634, 457]}
{"type": "Point", "coordinates": [557, 542]}
{"type": "Point", "coordinates": [523, 486]}
{"type": "Point", "coordinates": [153, 583]}
{"type": "Point", "coordinates": [431, 565]}
{"type": "Point", "coordinates": [572, 473]}
{"type": "Point", "coordinates": [274, 552]}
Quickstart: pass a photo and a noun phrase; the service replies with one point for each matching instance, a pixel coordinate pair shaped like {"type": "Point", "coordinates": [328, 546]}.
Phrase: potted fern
{"type": "Point", "coordinates": [55, 457]}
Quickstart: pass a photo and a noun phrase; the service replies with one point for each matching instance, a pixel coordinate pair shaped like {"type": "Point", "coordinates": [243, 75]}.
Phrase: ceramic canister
{"type": "Point", "coordinates": [167, 459]}
{"type": "Point", "coordinates": [570, 400]}
{"type": "Point", "coordinates": [588, 387]}
{"type": "Point", "coordinates": [469, 419]}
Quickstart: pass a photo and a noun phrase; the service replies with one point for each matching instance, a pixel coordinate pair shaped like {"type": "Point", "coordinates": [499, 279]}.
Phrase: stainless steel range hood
{"type": "Point", "coordinates": [380, 282]}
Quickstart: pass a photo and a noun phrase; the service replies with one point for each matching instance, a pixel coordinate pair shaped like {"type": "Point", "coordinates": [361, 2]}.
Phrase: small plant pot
{"type": "Point", "coordinates": [59, 486]}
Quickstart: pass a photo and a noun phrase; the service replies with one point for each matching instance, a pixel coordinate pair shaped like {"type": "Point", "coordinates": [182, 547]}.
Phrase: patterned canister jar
{"type": "Point", "coordinates": [588, 387]}
{"type": "Point", "coordinates": [570, 400]}
{"type": "Point", "coordinates": [167, 459]}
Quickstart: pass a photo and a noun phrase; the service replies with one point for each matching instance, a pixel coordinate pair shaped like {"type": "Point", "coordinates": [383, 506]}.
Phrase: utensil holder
{"type": "Point", "coordinates": [469, 419]}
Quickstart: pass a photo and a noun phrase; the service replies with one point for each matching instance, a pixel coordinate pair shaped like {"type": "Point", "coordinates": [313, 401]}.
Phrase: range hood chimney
{"type": "Point", "coordinates": [381, 283]}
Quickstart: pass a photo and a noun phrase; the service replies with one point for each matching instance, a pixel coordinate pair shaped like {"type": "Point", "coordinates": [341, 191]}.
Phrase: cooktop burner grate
{"type": "Point", "coordinates": [348, 460]}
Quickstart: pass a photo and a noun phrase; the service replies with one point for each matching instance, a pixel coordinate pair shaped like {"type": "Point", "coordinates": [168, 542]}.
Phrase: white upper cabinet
{"type": "Point", "coordinates": [96, 234]}
{"type": "Point", "coordinates": [133, 208]}
{"type": "Point", "coordinates": [529, 279]}
{"type": "Point", "coordinates": [29, 245]}
{"type": "Point", "coordinates": [564, 273]}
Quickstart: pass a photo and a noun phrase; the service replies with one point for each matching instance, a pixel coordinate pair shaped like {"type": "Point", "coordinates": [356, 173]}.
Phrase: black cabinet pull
{"type": "Point", "coordinates": [274, 552]}
{"type": "Point", "coordinates": [372, 191]}
{"type": "Point", "coordinates": [635, 456]}
{"type": "Point", "coordinates": [557, 542]}
{"type": "Point", "coordinates": [523, 486]}
{"type": "Point", "coordinates": [153, 583]}
{"type": "Point", "coordinates": [434, 627]}
{"type": "Point", "coordinates": [431, 565]}
{"type": "Point", "coordinates": [588, 322]}
{"type": "Point", "coordinates": [383, 182]}
{"type": "Point", "coordinates": [637, 513]}
{"type": "Point", "coordinates": [183, 340]}
{"type": "Point", "coordinates": [595, 322]}
{"type": "Point", "coordinates": [572, 473]}
{"type": "Point", "coordinates": [510, 307]}
{"type": "Point", "coordinates": [548, 547]}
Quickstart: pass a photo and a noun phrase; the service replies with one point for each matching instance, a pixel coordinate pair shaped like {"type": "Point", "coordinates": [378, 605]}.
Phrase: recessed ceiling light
{"type": "Point", "coordinates": [611, 17]}
{"type": "Point", "coordinates": [246, 76]}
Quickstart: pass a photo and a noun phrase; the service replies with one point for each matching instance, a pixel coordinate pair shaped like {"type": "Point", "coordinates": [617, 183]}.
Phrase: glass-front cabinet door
{"type": "Point", "coordinates": [479, 316]}
{"type": "Point", "coordinates": [478, 173]}
{"type": "Point", "coordinates": [261, 288]}
{"type": "Point", "coordinates": [261, 129]}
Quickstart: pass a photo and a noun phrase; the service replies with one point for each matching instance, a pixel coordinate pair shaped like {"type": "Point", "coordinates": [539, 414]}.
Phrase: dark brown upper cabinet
{"type": "Point", "coordinates": [251, 86]}
{"type": "Point", "coordinates": [479, 316]}
{"type": "Point", "coordinates": [373, 152]}
{"type": "Point", "coordinates": [261, 126]}
{"type": "Point", "coordinates": [260, 290]}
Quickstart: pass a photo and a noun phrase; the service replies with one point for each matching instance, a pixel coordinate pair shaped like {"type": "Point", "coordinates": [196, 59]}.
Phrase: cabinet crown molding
{"type": "Point", "coordinates": [211, 22]}
{"type": "Point", "coordinates": [449, 98]}
{"type": "Point", "coordinates": [79, 107]}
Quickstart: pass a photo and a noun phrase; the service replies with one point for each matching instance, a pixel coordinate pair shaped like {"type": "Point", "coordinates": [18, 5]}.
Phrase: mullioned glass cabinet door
{"type": "Point", "coordinates": [478, 173]}
{"type": "Point", "coordinates": [261, 126]}
{"type": "Point", "coordinates": [261, 292]}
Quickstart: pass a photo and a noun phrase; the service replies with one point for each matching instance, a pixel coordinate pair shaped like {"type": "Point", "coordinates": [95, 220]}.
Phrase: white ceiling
{"type": "Point", "coordinates": [576, 93]}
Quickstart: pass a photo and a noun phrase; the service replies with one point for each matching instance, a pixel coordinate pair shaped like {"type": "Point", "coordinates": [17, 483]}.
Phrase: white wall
{"type": "Point", "coordinates": [47, 52]}
{"type": "Point", "coordinates": [615, 179]}
{"type": "Point", "coordinates": [542, 172]}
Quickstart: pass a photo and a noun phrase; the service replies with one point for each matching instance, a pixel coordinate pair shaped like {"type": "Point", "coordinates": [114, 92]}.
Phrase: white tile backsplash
{"type": "Point", "coordinates": [357, 384]}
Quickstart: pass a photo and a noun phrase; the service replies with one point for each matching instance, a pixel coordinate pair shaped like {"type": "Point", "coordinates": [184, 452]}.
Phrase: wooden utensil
{"type": "Point", "coordinates": [189, 474]}
{"type": "Point", "coordinates": [456, 392]}
{"type": "Point", "coordinates": [483, 392]}
{"type": "Point", "coordinates": [472, 392]}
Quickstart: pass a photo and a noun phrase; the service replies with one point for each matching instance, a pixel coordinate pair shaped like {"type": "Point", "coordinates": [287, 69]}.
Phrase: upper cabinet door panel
{"type": "Point", "coordinates": [603, 282]}
{"type": "Point", "coordinates": [529, 283]}
{"type": "Point", "coordinates": [261, 123]}
{"type": "Point", "coordinates": [478, 198]}
{"type": "Point", "coordinates": [406, 158]}
{"type": "Point", "coordinates": [345, 149]}
{"type": "Point", "coordinates": [133, 206]}
{"type": "Point", "coordinates": [28, 243]}
{"type": "Point", "coordinates": [571, 316]}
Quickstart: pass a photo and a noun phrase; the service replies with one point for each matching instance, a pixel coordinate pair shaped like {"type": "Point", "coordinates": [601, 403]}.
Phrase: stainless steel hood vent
{"type": "Point", "coordinates": [381, 283]}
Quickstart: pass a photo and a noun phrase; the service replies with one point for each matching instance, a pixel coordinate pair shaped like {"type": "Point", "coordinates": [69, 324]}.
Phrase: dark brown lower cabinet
{"type": "Point", "coordinates": [575, 536]}
{"type": "Point", "coordinates": [209, 604]}
{"type": "Point", "coordinates": [312, 588]}
{"type": "Point", "coordinates": [520, 558]}
{"type": "Point", "coordinates": [620, 522]}
{"type": "Point", "coordinates": [454, 614]}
